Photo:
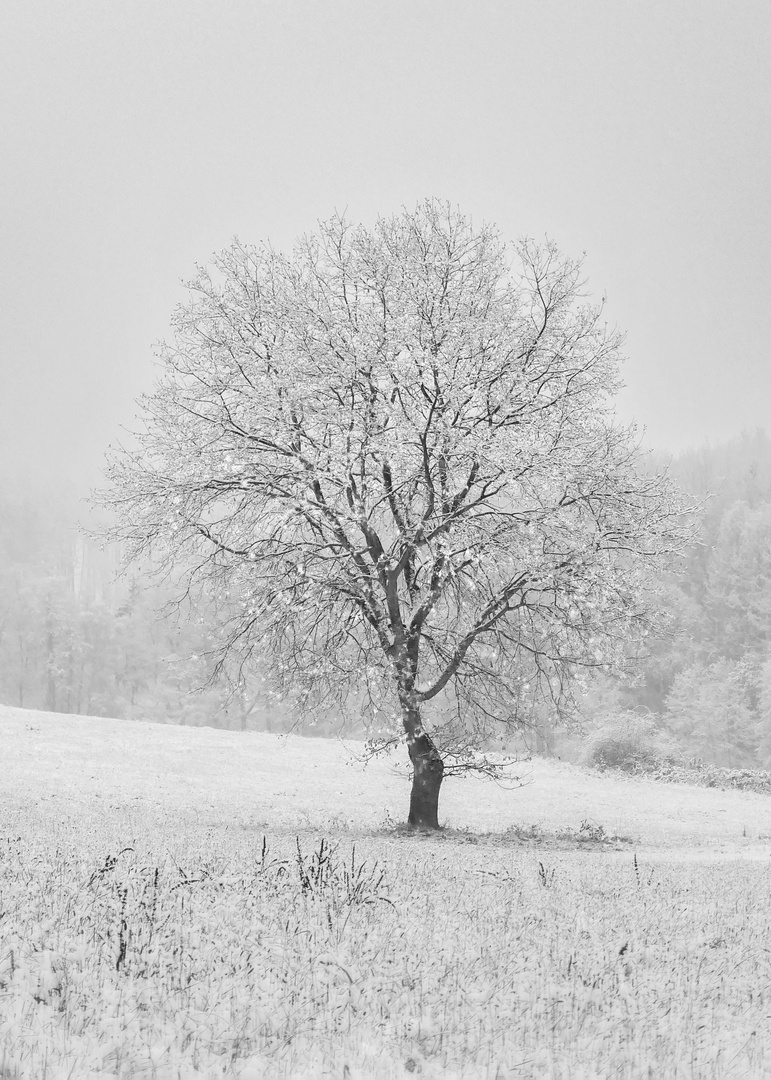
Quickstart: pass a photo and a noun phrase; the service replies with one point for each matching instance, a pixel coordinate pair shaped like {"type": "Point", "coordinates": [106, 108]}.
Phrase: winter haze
{"type": "Point", "coordinates": [138, 139]}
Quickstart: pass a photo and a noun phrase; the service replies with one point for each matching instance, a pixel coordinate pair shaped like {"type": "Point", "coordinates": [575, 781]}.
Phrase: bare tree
{"type": "Point", "coordinates": [391, 461]}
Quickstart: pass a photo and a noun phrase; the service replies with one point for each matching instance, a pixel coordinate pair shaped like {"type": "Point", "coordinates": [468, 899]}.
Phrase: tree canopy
{"type": "Point", "coordinates": [391, 460]}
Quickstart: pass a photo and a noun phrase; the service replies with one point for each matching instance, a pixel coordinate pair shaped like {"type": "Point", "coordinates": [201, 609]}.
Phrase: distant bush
{"type": "Point", "coordinates": [634, 745]}
{"type": "Point", "coordinates": [703, 774]}
{"type": "Point", "coordinates": [631, 743]}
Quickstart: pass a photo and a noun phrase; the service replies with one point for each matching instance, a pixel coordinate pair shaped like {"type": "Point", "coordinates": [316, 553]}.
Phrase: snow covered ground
{"type": "Point", "coordinates": [80, 766]}
{"type": "Point", "coordinates": [192, 904]}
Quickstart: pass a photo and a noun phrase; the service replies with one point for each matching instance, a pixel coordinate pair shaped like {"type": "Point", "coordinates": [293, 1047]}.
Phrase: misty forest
{"type": "Point", "coordinates": [75, 637]}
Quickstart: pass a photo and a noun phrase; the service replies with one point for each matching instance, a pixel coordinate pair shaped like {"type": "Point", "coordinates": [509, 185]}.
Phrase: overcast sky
{"type": "Point", "coordinates": [140, 136]}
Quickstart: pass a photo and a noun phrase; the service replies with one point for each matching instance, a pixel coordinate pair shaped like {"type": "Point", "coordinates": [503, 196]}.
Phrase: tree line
{"type": "Point", "coordinates": [76, 637]}
{"type": "Point", "coordinates": [708, 680]}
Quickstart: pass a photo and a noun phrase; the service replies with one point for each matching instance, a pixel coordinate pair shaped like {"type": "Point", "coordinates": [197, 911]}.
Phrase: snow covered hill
{"type": "Point", "coordinates": [65, 766]}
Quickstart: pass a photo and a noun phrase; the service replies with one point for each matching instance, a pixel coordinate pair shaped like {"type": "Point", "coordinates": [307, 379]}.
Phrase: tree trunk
{"type": "Point", "coordinates": [428, 771]}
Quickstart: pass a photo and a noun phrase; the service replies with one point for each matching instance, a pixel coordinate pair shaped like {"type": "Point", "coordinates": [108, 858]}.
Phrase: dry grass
{"type": "Point", "coordinates": [259, 959]}
{"type": "Point", "coordinates": [161, 943]}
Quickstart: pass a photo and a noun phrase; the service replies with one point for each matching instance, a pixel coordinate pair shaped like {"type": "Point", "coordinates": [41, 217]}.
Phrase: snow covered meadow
{"type": "Point", "coordinates": [180, 903]}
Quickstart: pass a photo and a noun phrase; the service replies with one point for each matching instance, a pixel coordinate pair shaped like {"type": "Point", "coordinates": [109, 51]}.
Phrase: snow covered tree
{"type": "Point", "coordinates": [710, 710]}
{"type": "Point", "coordinates": [764, 713]}
{"type": "Point", "coordinates": [736, 594]}
{"type": "Point", "coordinates": [390, 460]}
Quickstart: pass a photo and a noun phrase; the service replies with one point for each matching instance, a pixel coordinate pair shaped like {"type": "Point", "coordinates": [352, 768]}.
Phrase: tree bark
{"type": "Point", "coordinates": [428, 771]}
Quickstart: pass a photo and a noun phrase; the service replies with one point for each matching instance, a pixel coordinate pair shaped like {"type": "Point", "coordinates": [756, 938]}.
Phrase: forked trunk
{"type": "Point", "coordinates": [428, 770]}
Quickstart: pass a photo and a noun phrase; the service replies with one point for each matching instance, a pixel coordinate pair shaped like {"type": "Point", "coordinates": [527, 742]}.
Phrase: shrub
{"type": "Point", "coordinates": [631, 743]}
{"type": "Point", "coordinates": [703, 774]}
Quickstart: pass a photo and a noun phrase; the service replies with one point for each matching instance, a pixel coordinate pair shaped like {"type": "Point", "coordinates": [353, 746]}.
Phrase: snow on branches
{"type": "Point", "coordinates": [391, 459]}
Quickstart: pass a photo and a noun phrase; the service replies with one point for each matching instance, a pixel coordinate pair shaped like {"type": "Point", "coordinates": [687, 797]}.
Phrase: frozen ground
{"type": "Point", "coordinates": [149, 932]}
{"type": "Point", "coordinates": [69, 767]}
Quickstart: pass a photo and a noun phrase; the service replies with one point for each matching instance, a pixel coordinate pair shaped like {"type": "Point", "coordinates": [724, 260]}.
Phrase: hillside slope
{"type": "Point", "coordinates": [64, 766]}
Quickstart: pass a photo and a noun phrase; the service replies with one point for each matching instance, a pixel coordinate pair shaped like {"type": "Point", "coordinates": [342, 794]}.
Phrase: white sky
{"type": "Point", "coordinates": [140, 136]}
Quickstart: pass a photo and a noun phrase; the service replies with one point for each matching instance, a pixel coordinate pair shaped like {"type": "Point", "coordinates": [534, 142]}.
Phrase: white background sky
{"type": "Point", "coordinates": [139, 136]}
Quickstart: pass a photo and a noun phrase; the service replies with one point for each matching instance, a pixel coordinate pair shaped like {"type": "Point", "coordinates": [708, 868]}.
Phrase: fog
{"type": "Point", "coordinates": [137, 140]}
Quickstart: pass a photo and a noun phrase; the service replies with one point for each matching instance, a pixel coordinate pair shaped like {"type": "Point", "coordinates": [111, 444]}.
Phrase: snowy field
{"type": "Point", "coordinates": [184, 903]}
